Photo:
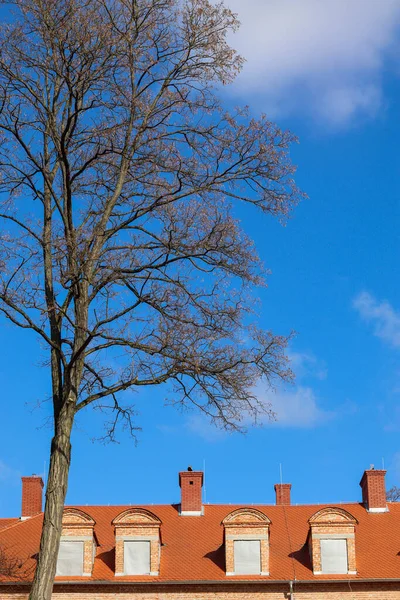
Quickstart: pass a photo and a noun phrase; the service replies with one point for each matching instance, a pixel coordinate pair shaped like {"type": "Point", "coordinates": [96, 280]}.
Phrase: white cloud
{"type": "Point", "coordinates": [324, 57]}
{"type": "Point", "coordinates": [341, 104]}
{"type": "Point", "coordinates": [7, 473]}
{"type": "Point", "coordinates": [201, 425]}
{"type": "Point", "coordinates": [384, 319]}
{"type": "Point", "coordinates": [298, 406]}
{"type": "Point", "coordinates": [295, 408]}
{"type": "Point", "coordinates": [306, 364]}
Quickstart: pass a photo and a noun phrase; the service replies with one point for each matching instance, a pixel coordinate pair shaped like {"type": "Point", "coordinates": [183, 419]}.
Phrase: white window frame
{"type": "Point", "coordinates": [80, 545]}
{"type": "Point", "coordinates": [137, 541]}
{"type": "Point", "coordinates": [247, 540]}
{"type": "Point", "coordinates": [323, 542]}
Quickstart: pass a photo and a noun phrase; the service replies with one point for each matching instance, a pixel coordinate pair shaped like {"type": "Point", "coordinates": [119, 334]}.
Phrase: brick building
{"type": "Point", "coordinates": [192, 551]}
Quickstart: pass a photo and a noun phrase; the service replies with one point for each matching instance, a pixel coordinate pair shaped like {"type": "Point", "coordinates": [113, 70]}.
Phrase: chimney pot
{"type": "Point", "coordinates": [32, 491]}
{"type": "Point", "coordinates": [373, 490]}
{"type": "Point", "coordinates": [191, 483]}
{"type": "Point", "coordinates": [282, 491]}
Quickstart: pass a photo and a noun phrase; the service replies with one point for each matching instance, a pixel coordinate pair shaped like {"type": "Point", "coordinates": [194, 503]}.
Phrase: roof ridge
{"type": "Point", "coordinates": [13, 519]}
{"type": "Point", "coordinates": [218, 505]}
{"type": "Point", "coordinates": [20, 522]}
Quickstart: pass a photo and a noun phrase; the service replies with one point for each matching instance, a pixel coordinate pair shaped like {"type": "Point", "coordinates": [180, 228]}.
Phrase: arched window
{"type": "Point", "coordinates": [77, 544]}
{"type": "Point", "coordinates": [137, 542]}
{"type": "Point", "coordinates": [332, 542]}
{"type": "Point", "coordinates": [246, 542]}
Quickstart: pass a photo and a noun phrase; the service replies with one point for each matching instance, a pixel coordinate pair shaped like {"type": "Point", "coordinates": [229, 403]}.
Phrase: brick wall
{"type": "Point", "coordinates": [137, 524]}
{"type": "Point", "coordinates": [282, 493]}
{"type": "Point", "coordinates": [242, 533]}
{"type": "Point", "coordinates": [133, 533]}
{"type": "Point", "coordinates": [332, 591]}
{"type": "Point", "coordinates": [32, 488]}
{"type": "Point", "coordinates": [242, 524]}
{"type": "Point", "coordinates": [334, 522]}
{"type": "Point", "coordinates": [77, 524]}
{"type": "Point", "coordinates": [191, 483]}
{"type": "Point", "coordinates": [373, 489]}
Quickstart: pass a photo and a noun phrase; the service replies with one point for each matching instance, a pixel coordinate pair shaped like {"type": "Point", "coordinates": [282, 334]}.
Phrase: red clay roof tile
{"type": "Point", "coordinates": [192, 547]}
{"type": "Point", "coordinates": [7, 522]}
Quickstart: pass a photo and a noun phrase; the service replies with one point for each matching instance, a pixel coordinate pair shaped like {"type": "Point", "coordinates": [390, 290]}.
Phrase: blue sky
{"type": "Point", "coordinates": [332, 77]}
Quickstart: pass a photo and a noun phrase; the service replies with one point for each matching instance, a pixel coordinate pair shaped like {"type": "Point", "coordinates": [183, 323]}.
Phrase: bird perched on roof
{"type": "Point", "coordinates": [190, 468]}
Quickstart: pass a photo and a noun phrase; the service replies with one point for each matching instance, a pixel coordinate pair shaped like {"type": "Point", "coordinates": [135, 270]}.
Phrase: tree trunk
{"type": "Point", "coordinates": [56, 491]}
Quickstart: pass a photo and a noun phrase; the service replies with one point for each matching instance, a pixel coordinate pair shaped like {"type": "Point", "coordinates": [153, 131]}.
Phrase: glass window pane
{"type": "Point", "coordinates": [137, 558]}
{"type": "Point", "coordinates": [334, 556]}
{"type": "Point", "coordinates": [247, 557]}
{"type": "Point", "coordinates": [70, 558]}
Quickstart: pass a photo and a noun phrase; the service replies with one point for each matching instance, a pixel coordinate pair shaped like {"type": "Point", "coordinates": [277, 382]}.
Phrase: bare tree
{"type": "Point", "coordinates": [118, 248]}
{"type": "Point", "coordinates": [393, 495]}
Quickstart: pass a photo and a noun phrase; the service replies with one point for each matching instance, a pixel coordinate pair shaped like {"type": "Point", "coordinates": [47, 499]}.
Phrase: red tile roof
{"type": "Point", "coordinates": [192, 547]}
{"type": "Point", "coordinates": [7, 522]}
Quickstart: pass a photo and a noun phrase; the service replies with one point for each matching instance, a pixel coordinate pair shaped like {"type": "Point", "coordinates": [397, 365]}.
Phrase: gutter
{"type": "Point", "coordinates": [210, 582]}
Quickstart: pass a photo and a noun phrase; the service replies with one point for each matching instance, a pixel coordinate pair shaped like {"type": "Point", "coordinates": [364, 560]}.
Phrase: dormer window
{"type": "Point", "coordinates": [246, 542]}
{"type": "Point", "coordinates": [247, 557]}
{"type": "Point", "coordinates": [77, 544]}
{"type": "Point", "coordinates": [137, 543]}
{"type": "Point", "coordinates": [70, 558]}
{"type": "Point", "coordinates": [332, 542]}
{"type": "Point", "coordinates": [333, 556]}
{"type": "Point", "coordinates": [137, 557]}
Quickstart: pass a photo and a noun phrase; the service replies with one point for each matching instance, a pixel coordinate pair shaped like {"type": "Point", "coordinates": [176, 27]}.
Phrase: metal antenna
{"type": "Point", "coordinates": [280, 471]}
{"type": "Point", "coordinates": [204, 483]}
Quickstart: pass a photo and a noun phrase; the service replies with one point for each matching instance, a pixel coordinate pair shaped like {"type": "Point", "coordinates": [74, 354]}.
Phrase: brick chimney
{"type": "Point", "coordinates": [282, 491]}
{"type": "Point", "coordinates": [373, 490]}
{"type": "Point", "coordinates": [191, 483]}
{"type": "Point", "coordinates": [31, 496]}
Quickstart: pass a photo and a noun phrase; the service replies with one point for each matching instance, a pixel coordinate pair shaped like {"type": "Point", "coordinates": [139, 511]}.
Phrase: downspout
{"type": "Point", "coordinates": [291, 595]}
